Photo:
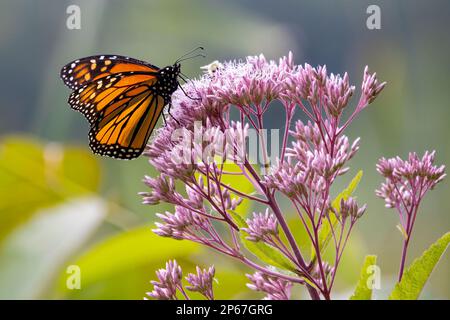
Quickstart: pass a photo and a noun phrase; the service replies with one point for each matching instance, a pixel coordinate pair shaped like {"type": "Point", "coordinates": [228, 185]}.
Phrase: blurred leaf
{"type": "Point", "coordinates": [363, 291]}
{"type": "Point", "coordinates": [416, 276]}
{"type": "Point", "coordinates": [325, 230]}
{"type": "Point", "coordinates": [124, 181]}
{"type": "Point", "coordinates": [261, 250]}
{"type": "Point", "coordinates": [230, 283]}
{"type": "Point", "coordinates": [30, 256]}
{"type": "Point", "coordinates": [34, 176]}
{"type": "Point", "coordinates": [126, 259]}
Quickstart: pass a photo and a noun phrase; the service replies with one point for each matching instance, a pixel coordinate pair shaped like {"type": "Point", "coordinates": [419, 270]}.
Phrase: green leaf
{"type": "Point", "coordinates": [229, 279]}
{"type": "Point", "coordinates": [238, 219]}
{"type": "Point", "coordinates": [34, 176]}
{"type": "Point", "coordinates": [416, 276]}
{"type": "Point", "coordinates": [363, 290]}
{"type": "Point", "coordinates": [137, 251]}
{"type": "Point", "coordinates": [261, 250]}
{"type": "Point", "coordinates": [325, 232]}
{"type": "Point", "coordinates": [32, 254]}
{"type": "Point", "coordinates": [268, 254]}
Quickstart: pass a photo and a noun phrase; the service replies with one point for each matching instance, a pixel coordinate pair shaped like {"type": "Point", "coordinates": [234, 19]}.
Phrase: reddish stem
{"type": "Point", "coordinates": [403, 260]}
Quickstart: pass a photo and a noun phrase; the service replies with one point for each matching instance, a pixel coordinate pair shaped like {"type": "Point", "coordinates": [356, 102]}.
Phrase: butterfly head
{"type": "Point", "coordinates": [177, 68]}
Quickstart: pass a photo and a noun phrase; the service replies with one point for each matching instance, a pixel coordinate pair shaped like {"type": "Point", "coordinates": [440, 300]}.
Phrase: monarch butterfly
{"type": "Point", "coordinates": [122, 98]}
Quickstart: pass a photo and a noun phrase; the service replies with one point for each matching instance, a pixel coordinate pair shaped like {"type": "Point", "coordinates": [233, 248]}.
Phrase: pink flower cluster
{"type": "Point", "coordinates": [406, 183]}
{"type": "Point", "coordinates": [222, 107]}
{"type": "Point", "coordinates": [170, 281]}
{"type": "Point", "coordinates": [274, 288]}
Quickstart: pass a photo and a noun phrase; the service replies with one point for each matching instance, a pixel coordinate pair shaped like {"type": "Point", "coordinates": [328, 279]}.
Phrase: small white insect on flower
{"type": "Point", "coordinates": [212, 68]}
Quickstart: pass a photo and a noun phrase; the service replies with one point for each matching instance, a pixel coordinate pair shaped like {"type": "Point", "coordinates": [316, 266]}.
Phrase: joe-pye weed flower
{"type": "Point", "coordinates": [406, 183]}
{"type": "Point", "coordinates": [208, 135]}
{"type": "Point", "coordinates": [170, 282]}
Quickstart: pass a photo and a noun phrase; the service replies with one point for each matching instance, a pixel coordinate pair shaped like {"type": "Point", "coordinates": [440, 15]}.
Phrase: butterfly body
{"type": "Point", "coordinates": [168, 82]}
{"type": "Point", "coordinates": [122, 98]}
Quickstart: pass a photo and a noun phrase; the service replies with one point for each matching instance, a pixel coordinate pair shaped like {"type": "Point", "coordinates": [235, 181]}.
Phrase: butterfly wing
{"type": "Point", "coordinates": [79, 72]}
{"type": "Point", "coordinates": [118, 97]}
{"type": "Point", "coordinates": [96, 97]}
{"type": "Point", "coordinates": [126, 125]}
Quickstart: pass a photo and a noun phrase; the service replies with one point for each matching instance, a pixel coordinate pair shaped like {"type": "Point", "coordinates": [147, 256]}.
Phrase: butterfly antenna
{"type": "Point", "coordinates": [191, 57]}
{"type": "Point", "coordinates": [186, 55]}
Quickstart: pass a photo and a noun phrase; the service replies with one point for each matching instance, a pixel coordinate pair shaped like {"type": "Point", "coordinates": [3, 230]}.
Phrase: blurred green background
{"type": "Point", "coordinates": [62, 206]}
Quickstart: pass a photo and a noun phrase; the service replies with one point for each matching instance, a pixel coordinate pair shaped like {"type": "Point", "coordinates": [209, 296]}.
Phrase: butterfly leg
{"type": "Point", "coordinates": [164, 118]}
{"type": "Point", "coordinates": [168, 111]}
{"type": "Point", "coordinates": [185, 93]}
